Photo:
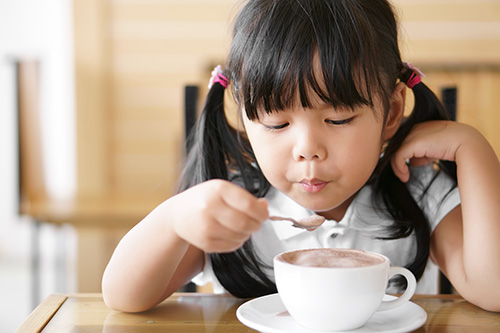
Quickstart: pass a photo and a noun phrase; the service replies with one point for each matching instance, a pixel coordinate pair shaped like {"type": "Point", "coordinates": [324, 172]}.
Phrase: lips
{"type": "Point", "coordinates": [313, 185]}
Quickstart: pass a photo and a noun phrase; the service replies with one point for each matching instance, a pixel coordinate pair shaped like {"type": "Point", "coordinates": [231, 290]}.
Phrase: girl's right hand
{"type": "Point", "coordinates": [217, 216]}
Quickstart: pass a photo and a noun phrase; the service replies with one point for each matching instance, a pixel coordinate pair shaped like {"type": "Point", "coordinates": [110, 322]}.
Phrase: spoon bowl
{"type": "Point", "coordinates": [309, 223]}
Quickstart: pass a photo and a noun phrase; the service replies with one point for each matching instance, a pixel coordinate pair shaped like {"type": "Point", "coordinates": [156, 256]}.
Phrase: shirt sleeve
{"type": "Point", "coordinates": [436, 193]}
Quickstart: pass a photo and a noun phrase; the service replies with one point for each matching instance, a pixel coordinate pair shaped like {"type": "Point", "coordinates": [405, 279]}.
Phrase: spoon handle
{"type": "Point", "coordinates": [281, 218]}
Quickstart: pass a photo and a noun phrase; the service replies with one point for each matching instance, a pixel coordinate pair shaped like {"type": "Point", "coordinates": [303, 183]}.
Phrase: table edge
{"type": "Point", "coordinates": [45, 311]}
{"type": "Point", "coordinates": [42, 314]}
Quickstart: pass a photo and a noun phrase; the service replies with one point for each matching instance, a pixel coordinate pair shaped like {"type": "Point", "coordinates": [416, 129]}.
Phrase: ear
{"type": "Point", "coordinates": [396, 111]}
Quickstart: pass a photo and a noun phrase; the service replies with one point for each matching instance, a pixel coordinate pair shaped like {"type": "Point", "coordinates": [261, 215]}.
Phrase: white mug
{"type": "Point", "coordinates": [337, 298]}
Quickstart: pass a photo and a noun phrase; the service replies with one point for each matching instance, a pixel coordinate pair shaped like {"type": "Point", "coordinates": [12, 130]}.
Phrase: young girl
{"type": "Point", "coordinates": [321, 89]}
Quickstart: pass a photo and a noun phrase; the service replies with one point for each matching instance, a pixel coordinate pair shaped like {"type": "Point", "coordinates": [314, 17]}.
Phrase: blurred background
{"type": "Point", "coordinates": [93, 100]}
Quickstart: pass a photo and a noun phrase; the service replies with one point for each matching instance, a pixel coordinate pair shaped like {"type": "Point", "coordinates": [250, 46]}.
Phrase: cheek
{"type": "Point", "coordinates": [270, 159]}
{"type": "Point", "coordinates": [363, 152]}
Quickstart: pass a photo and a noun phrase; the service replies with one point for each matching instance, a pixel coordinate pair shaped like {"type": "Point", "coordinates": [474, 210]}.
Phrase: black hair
{"type": "Point", "coordinates": [275, 46]}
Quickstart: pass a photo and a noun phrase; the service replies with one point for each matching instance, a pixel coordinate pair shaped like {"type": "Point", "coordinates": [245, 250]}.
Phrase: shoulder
{"type": "Point", "coordinates": [429, 180]}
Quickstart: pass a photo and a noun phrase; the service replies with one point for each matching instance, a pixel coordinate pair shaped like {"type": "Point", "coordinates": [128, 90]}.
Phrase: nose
{"type": "Point", "coordinates": [309, 146]}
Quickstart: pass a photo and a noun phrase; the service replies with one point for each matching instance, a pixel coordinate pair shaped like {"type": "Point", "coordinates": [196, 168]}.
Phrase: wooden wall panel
{"type": "Point", "coordinates": [158, 47]}
{"type": "Point", "coordinates": [450, 31]}
{"type": "Point", "coordinates": [91, 68]}
{"type": "Point", "coordinates": [448, 10]}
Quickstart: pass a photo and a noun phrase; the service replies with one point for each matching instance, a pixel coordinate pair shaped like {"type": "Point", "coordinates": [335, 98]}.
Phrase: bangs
{"type": "Point", "coordinates": [285, 51]}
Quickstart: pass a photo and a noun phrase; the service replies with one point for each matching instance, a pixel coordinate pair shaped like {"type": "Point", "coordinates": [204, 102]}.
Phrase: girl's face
{"type": "Point", "coordinates": [320, 157]}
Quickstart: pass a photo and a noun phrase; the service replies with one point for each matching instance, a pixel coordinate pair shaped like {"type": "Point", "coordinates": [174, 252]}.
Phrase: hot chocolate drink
{"type": "Point", "coordinates": [340, 258]}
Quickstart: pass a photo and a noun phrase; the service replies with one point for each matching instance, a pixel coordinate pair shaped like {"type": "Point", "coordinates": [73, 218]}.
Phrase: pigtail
{"type": "Point", "coordinates": [427, 107]}
{"type": "Point", "coordinates": [207, 143]}
{"type": "Point", "coordinates": [407, 215]}
{"type": "Point", "coordinates": [218, 151]}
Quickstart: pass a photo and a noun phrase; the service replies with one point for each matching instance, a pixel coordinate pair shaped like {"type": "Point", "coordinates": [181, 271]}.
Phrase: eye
{"type": "Point", "coordinates": [339, 121]}
{"type": "Point", "coordinates": [275, 127]}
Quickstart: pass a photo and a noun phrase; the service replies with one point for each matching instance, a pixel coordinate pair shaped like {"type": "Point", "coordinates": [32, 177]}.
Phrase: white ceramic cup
{"type": "Point", "coordinates": [337, 298]}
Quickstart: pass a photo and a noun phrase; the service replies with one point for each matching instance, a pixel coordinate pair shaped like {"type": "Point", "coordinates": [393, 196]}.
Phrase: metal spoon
{"type": "Point", "coordinates": [309, 223]}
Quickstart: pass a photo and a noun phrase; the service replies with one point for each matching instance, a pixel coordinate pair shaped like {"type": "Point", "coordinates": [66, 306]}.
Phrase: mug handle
{"type": "Point", "coordinates": [410, 289]}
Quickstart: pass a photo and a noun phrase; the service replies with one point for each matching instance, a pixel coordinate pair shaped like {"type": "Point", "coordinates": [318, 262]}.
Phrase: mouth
{"type": "Point", "coordinates": [313, 185]}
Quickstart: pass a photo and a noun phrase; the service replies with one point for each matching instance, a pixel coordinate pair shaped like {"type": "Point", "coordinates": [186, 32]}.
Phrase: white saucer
{"type": "Point", "coordinates": [268, 314]}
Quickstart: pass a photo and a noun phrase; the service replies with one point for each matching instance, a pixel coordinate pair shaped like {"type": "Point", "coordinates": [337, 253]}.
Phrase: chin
{"type": "Point", "coordinates": [318, 207]}
{"type": "Point", "coordinates": [313, 201]}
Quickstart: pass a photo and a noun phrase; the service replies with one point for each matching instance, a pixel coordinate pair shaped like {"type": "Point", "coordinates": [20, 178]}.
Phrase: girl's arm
{"type": "Point", "coordinates": [166, 249]}
{"type": "Point", "coordinates": [466, 243]}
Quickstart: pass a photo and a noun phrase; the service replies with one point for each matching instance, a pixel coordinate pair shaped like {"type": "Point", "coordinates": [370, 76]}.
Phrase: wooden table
{"type": "Point", "coordinates": [197, 312]}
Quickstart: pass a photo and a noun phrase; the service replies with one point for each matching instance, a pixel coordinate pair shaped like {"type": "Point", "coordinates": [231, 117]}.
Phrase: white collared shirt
{"type": "Point", "coordinates": [358, 228]}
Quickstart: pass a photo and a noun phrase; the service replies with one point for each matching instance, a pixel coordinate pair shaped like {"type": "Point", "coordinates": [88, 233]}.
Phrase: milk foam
{"type": "Point", "coordinates": [338, 258]}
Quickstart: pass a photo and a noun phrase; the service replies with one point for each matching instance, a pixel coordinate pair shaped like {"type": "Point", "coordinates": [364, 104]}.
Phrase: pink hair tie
{"type": "Point", "coordinates": [218, 77]}
{"type": "Point", "coordinates": [415, 77]}
{"type": "Point", "coordinates": [413, 80]}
